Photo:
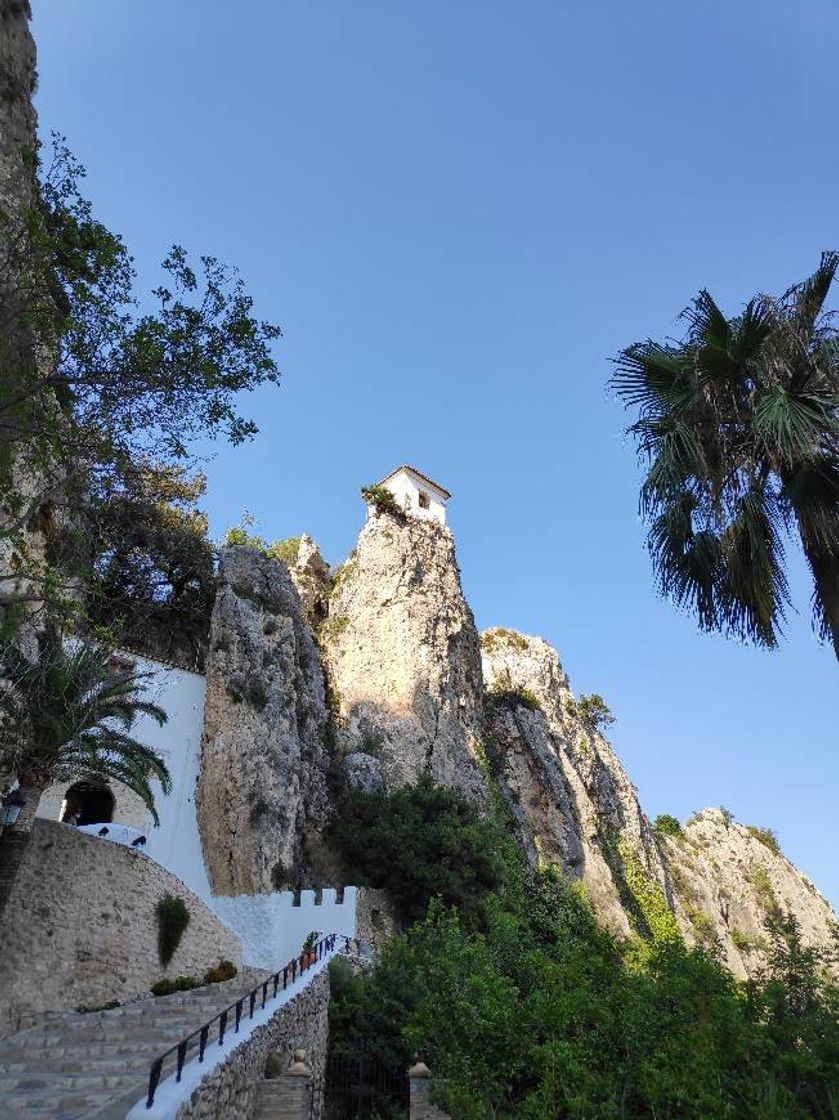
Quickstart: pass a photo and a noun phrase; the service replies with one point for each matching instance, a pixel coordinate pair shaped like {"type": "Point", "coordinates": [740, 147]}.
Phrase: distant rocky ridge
{"type": "Point", "coordinates": [374, 674]}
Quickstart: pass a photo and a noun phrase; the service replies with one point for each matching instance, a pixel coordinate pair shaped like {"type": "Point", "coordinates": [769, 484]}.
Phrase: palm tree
{"type": "Point", "coordinates": [68, 713]}
{"type": "Point", "coordinates": [738, 427]}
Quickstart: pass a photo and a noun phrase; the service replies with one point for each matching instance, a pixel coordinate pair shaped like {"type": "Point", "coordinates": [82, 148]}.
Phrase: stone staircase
{"type": "Point", "coordinates": [97, 1064]}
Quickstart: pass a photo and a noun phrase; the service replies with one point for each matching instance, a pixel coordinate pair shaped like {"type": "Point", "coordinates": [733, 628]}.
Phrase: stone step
{"type": "Point", "coordinates": [66, 1107]}
{"type": "Point", "coordinates": [44, 1080]}
{"type": "Point", "coordinates": [95, 1065]}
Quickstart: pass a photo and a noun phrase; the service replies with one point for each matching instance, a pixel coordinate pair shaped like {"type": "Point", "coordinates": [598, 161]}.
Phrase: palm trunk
{"type": "Point", "coordinates": [14, 840]}
{"type": "Point", "coordinates": [826, 576]}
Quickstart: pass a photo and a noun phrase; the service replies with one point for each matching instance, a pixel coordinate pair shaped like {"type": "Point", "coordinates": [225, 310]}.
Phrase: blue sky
{"type": "Point", "coordinates": [458, 211]}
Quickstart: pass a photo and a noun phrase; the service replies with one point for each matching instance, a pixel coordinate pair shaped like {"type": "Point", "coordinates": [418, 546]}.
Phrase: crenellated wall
{"type": "Point", "coordinates": [273, 927]}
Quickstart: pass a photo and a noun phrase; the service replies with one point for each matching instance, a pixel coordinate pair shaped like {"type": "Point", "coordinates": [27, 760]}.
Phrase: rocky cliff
{"type": "Point", "coordinates": [714, 879]}
{"type": "Point", "coordinates": [261, 789]}
{"type": "Point", "coordinates": [403, 660]}
{"type": "Point", "coordinates": [374, 674]}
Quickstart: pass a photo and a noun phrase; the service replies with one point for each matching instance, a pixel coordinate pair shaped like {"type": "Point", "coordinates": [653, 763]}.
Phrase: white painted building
{"type": "Point", "coordinates": [175, 844]}
{"type": "Point", "coordinates": [272, 927]}
{"type": "Point", "coordinates": [420, 496]}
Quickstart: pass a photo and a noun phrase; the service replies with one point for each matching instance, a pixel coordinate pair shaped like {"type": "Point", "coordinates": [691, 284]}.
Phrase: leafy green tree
{"type": "Point", "coordinates": [419, 842]}
{"type": "Point", "coordinates": [107, 379]}
{"type": "Point", "coordinates": [738, 425]}
{"type": "Point", "coordinates": [153, 577]}
{"type": "Point", "coordinates": [594, 710]}
{"type": "Point", "coordinates": [68, 713]}
{"type": "Point", "coordinates": [537, 1013]}
{"type": "Point", "coordinates": [667, 825]}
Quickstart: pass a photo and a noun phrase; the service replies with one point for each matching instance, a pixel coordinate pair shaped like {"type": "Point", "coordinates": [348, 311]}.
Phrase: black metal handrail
{"type": "Point", "coordinates": [289, 973]}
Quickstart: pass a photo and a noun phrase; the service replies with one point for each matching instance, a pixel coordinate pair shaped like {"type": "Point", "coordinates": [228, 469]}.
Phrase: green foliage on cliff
{"type": "Point", "coordinates": [515, 697]}
{"type": "Point", "coordinates": [766, 836]}
{"type": "Point", "coordinates": [421, 842]}
{"type": "Point", "coordinates": [538, 1014]}
{"type": "Point", "coordinates": [667, 825]}
{"type": "Point", "coordinates": [383, 501]}
{"type": "Point", "coordinates": [498, 637]}
{"type": "Point", "coordinates": [594, 711]}
{"type": "Point", "coordinates": [285, 549]}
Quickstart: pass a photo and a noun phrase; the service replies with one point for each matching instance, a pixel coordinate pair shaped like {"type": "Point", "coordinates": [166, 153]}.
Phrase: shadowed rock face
{"type": "Point", "coordinates": [262, 779]}
{"type": "Point", "coordinates": [402, 655]}
{"type": "Point", "coordinates": [722, 871]}
{"type": "Point", "coordinates": [561, 778]}
{"type": "Point", "coordinates": [575, 805]}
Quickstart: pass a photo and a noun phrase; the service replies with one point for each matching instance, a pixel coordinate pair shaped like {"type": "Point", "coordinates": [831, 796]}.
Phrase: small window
{"type": "Point", "coordinates": [424, 500]}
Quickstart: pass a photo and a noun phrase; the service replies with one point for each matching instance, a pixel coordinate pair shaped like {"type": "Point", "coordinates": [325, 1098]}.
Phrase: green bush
{"type": "Point", "coordinates": [513, 697]}
{"type": "Point", "coordinates": [383, 501]}
{"type": "Point", "coordinates": [666, 825]}
{"type": "Point", "coordinates": [285, 549]}
{"type": "Point", "coordinates": [542, 1015]}
{"type": "Point", "coordinates": [746, 942]}
{"type": "Point", "coordinates": [758, 878]}
{"type": "Point", "coordinates": [178, 984]}
{"type": "Point", "coordinates": [418, 842]}
{"type": "Point", "coordinates": [594, 711]}
{"type": "Point", "coordinates": [766, 836]}
{"type": "Point", "coordinates": [172, 920]}
{"type": "Point", "coordinates": [703, 928]}
{"type": "Point", "coordinates": [224, 970]}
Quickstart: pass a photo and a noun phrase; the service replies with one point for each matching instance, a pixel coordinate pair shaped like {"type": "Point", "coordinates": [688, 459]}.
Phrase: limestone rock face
{"type": "Point", "coordinates": [311, 576]}
{"type": "Point", "coordinates": [569, 792]}
{"type": "Point", "coordinates": [575, 805]}
{"type": "Point", "coordinates": [725, 883]}
{"type": "Point", "coordinates": [362, 771]}
{"type": "Point", "coordinates": [402, 655]}
{"type": "Point", "coordinates": [262, 782]}
{"type": "Point", "coordinates": [398, 685]}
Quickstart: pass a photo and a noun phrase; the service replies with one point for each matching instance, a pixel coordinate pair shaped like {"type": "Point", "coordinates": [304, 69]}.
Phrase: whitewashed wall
{"type": "Point", "coordinates": [272, 929]}
{"type": "Point", "coordinates": [176, 844]}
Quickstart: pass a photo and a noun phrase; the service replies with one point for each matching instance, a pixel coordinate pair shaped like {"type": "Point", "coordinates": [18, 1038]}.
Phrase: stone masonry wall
{"type": "Point", "coordinates": [80, 928]}
{"type": "Point", "coordinates": [231, 1090]}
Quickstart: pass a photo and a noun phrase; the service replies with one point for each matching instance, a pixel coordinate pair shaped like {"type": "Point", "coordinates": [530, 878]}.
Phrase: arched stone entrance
{"type": "Point", "coordinates": [92, 801]}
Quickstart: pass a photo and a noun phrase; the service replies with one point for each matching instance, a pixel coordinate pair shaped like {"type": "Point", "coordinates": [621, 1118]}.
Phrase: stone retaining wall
{"type": "Point", "coordinates": [80, 928]}
{"type": "Point", "coordinates": [231, 1090]}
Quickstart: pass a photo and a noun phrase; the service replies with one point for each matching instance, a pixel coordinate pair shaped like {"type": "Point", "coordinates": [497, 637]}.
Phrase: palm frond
{"type": "Point", "coordinates": [652, 377]}
{"type": "Point", "coordinates": [678, 458]}
{"type": "Point", "coordinates": [686, 561]}
{"type": "Point", "coordinates": [73, 711]}
{"type": "Point", "coordinates": [753, 593]}
{"type": "Point", "coordinates": [809, 296]}
{"type": "Point", "coordinates": [792, 426]}
{"type": "Point", "coordinates": [706, 323]}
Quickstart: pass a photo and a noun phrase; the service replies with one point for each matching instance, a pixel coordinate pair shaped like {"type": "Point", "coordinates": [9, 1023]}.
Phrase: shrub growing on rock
{"type": "Point", "coordinates": [766, 836]}
{"type": "Point", "coordinates": [594, 711]}
{"type": "Point", "coordinates": [383, 501]}
{"type": "Point", "coordinates": [667, 825]}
